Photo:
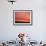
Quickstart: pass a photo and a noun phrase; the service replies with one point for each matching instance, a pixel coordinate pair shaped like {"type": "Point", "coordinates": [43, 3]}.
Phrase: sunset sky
{"type": "Point", "coordinates": [22, 17]}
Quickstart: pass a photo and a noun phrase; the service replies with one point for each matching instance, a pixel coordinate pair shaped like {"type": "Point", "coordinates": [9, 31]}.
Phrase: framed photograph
{"type": "Point", "coordinates": [22, 17]}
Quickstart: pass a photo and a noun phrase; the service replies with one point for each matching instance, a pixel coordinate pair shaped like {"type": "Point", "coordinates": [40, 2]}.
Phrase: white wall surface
{"type": "Point", "coordinates": [38, 29]}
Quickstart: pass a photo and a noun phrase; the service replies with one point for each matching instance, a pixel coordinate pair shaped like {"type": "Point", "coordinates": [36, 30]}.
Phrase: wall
{"type": "Point", "coordinates": [38, 29]}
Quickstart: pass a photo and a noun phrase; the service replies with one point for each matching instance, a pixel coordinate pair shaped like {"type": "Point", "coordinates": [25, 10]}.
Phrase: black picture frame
{"type": "Point", "coordinates": [19, 23]}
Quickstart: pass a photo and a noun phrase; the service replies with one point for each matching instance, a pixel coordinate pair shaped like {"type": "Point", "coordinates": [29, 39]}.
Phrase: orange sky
{"type": "Point", "coordinates": [22, 16]}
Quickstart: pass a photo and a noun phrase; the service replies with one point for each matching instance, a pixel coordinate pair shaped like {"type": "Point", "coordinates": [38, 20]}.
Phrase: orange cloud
{"type": "Point", "coordinates": [22, 16]}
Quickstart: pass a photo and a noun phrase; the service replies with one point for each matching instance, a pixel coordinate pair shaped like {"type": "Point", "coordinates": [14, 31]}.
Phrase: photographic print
{"type": "Point", "coordinates": [22, 17]}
